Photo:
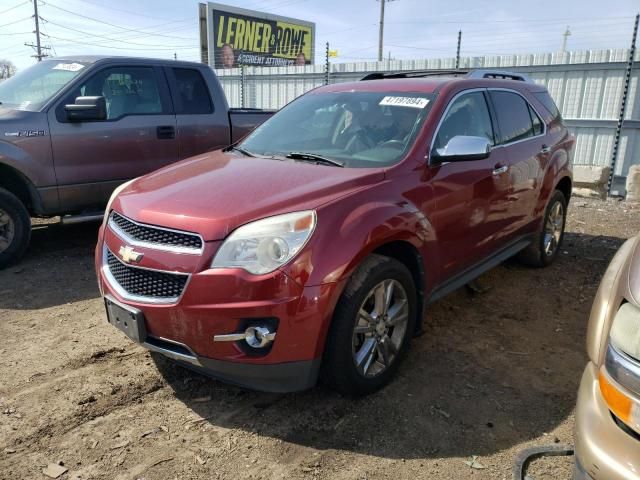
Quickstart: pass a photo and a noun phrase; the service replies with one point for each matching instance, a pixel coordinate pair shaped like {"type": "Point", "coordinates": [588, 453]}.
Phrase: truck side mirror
{"type": "Point", "coordinates": [463, 148]}
{"type": "Point", "coordinates": [87, 108]}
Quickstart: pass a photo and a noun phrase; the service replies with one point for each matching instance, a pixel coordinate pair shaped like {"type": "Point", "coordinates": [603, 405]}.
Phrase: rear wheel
{"type": "Point", "coordinates": [371, 328]}
{"type": "Point", "coordinates": [15, 228]}
{"type": "Point", "coordinates": [544, 248]}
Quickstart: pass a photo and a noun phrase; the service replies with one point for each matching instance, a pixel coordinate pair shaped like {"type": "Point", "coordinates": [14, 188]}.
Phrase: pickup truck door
{"type": "Point", "coordinates": [471, 196]}
{"type": "Point", "coordinates": [202, 123]}
{"type": "Point", "coordinates": [139, 135]}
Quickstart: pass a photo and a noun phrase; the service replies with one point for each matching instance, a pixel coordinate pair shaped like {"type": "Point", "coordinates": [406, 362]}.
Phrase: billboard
{"type": "Point", "coordinates": [237, 36]}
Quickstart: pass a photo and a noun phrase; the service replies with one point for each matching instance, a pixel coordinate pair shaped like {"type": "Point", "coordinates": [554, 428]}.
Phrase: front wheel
{"type": "Point", "coordinates": [372, 327]}
{"type": "Point", "coordinates": [545, 246]}
{"type": "Point", "coordinates": [15, 228]}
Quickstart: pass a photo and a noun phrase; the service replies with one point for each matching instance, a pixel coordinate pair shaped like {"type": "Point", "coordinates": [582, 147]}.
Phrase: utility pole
{"type": "Point", "coordinates": [381, 32]}
{"type": "Point", "coordinates": [458, 50]}
{"type": "Point", "coordinates": [565, 36]}
{"type": "Point", "coordinates": [39, 55]}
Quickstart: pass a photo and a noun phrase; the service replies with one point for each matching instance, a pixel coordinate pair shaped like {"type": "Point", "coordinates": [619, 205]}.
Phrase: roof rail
{"type": "Point", "coordinates": [478, 73]}
{"type": "Point", "coordinates": [499, 74]}
{"type": "Point", "coordinates": [413, 74]}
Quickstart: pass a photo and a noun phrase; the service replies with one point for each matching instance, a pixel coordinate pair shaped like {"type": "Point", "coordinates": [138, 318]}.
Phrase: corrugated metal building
{"type": "Point", "coordinates": [587, 86]}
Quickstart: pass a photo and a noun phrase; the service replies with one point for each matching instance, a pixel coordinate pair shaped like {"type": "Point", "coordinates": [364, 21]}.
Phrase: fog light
{"type": "Point", "coordinates": [256, 337]}
{"type": "Point", "coordinates": [259, 337]}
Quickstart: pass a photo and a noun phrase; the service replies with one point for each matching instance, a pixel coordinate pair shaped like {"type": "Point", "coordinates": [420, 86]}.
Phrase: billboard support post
{"type": "Point", "coordinates": [326, 65]}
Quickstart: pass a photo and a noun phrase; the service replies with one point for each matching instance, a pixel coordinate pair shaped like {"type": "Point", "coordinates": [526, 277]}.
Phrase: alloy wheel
{"type": "Point", "coordinates": [553, 228]}
{"type": "Point", "coordinates": [380, 328]}
{"type": "Point", "coordinates": [7, 230]}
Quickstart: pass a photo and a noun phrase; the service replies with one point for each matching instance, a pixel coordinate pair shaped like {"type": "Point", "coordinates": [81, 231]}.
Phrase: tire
{"type": "Point", "coordinates": [381, 348]}
{"type": "Point", "coordinates": [15, 228]}
{"type": "Point", "coordinates": [538, 254]}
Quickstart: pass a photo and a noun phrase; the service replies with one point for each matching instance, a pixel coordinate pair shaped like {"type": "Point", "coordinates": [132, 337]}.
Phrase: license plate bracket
{"type": "Point", "coordinates": [127, 319]}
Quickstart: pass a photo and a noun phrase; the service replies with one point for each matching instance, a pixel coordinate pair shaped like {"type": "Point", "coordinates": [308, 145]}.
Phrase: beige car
{"type": "Point", "coordinates": [607, 436]}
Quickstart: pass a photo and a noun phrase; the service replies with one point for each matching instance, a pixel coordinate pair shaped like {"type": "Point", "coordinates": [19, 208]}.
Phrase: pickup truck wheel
{"type": "Point", "coordinates": [371, 328]}
{"type": "Point", "coordinates": [544, 249]}
{"type": "Point", "coordinates": [15, 228]}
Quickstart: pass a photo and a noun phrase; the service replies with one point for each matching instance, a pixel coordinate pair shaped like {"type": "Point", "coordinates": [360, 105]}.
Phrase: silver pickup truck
{"type": "Point", "coordinates": [74, 128]}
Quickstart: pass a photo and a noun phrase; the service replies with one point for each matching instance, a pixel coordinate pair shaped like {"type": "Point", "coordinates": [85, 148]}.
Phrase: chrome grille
{"type": "Point", "coordinates": [154, 237]}
{"type": "Point", "coordinates": [145, 285]}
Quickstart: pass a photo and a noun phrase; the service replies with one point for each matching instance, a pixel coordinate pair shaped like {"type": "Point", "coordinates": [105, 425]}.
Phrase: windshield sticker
{"type": "Point", "coordinates": [413, 102]}
{"type": "Point", "coordinates": [69, 67]}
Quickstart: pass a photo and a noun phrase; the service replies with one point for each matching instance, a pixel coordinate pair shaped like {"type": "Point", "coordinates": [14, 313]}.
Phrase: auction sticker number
{"type": "Point", "coordinates": [413, 102]}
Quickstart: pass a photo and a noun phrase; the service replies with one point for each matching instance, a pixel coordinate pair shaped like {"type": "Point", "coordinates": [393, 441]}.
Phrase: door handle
{"type": "Point", "coordinates": [499, 170]}
{"type": "Point", "coordinates": [545, 149]}
{"type": "Point", "coordinates": [166, 132]}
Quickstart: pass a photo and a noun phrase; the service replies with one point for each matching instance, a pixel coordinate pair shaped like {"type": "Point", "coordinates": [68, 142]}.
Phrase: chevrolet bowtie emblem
{"type": "Point", "coordinates": [129, 255]}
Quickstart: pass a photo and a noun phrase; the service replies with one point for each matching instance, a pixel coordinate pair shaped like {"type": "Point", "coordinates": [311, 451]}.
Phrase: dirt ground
{"type": "Point", "coordinates": [495, 373]}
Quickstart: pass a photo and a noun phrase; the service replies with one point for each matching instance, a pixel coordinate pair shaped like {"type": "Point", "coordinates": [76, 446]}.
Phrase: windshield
{"type": "Point", "coordinates": [359, 129]}
{"type": "Point", "coordinates": [30, 89]}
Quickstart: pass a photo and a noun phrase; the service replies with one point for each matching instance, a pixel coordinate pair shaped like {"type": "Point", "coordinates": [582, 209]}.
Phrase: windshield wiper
{"type": "Point", "coordinates": [243, 151]}
{"type": "Point", "coordinates": [312, 157]}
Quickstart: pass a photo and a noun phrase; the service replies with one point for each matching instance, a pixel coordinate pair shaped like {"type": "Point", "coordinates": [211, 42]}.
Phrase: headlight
{"type": "Point", "coordinates": [619, 377]}
{"type": "Point", "coordinates": [625, 330]}
{"type": "Point", "coordinates": [264, 245]}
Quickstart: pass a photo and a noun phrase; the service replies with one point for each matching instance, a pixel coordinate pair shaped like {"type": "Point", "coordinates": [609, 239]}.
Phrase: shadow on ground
{"type": "Point", "coordinates": [493, 370]}
{"type": "Point", "coordinates": [57, 269]}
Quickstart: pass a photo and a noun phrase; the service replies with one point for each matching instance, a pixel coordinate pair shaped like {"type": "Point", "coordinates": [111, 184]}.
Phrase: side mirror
{"type": "Point", "coordinates": [87, 108]}
{"type": "Point", "coordinates": [462, 148]}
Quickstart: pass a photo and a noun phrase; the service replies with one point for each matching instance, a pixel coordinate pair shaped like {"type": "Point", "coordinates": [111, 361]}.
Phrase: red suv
{"type": "Point", "coordinates": [312, 247]}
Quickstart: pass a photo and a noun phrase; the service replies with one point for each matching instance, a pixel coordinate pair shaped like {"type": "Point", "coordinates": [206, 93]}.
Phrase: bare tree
{"type": "Point", "coordinates": [7, 69]}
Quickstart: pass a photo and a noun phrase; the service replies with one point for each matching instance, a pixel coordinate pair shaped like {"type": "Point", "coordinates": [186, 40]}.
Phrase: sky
{"type": "Point", "coordinates": [413, 28]}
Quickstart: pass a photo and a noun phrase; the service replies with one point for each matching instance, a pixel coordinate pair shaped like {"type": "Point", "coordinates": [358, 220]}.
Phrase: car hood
{"type": "Point", "coordinates": [213, 194]}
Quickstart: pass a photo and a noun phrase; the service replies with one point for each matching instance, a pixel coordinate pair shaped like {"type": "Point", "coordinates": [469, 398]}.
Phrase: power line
{"type": "Point", "coordinates": [103, 22]}
{"type": "Point", "coordinates": [106, 37]}
{"type": "Point", "coordinates": [15, 6]}
{"type": "Point", "coordinates": [118, 48]}
{"type": "Point", "coordinates": [124, 11]}
{"type": "Point", "coordinates": [16, 21]}
{"type": "Point", "coordinates": [515, 20]}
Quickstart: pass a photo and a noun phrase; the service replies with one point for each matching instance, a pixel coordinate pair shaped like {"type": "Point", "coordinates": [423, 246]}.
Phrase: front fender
{"type": "Point", "coordinates": [348, 232]}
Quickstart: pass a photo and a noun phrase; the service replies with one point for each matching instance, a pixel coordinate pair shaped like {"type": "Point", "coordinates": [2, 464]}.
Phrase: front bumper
{"type": "Point", "coordinates": [222, 301]}
{"type": "Point", "coordinates": [603, 450]}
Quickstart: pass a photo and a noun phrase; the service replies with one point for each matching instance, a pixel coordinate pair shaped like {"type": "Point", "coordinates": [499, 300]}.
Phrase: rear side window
{"type": "Point", "coordinates": [537, 123]}
{"type": "Point", "coordinates": [468, 115]}
{"type": "Point", "coordinates": [193, 92]}
{"type": "Point", "coordinates": [513, 116]}
{"type": "Point", "coordinates": [545, 99]}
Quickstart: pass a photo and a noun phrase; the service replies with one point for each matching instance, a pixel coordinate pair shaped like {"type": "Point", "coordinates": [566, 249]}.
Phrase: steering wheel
{"type": "Point", "coordinates": [399, 144]}
{"type": "Point", "coordinates": [361, 136]}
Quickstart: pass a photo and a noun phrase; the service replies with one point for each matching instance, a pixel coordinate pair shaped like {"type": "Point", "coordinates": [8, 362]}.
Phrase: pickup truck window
{"type": "Point", "coordinates": [193, 92]}
{"type": "Point", "coordinates": [359, 129]}
{"type": "Point", "coordinates": [127, 91]}
{"type": "Point", "coordinates": [30, 89]}
{"type": "Point", "coordinates": [467, 115]}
